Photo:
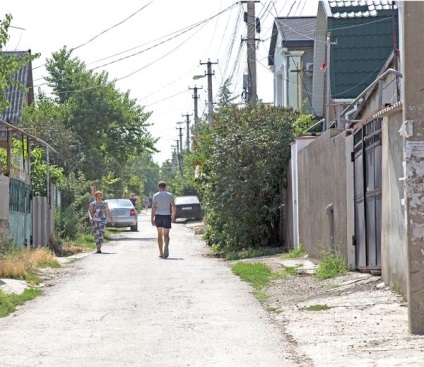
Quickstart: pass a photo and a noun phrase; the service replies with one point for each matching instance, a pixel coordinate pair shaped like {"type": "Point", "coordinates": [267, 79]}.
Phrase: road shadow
{"type": "Point", "coordinates": [174, 258]}
{"type": "Point", "coordinates": [134, 239]}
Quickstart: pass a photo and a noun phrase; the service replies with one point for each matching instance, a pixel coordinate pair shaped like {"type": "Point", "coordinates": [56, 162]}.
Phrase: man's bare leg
{"type": "Point", "coordinates": [166, 238]}
{"type": "Point", "coordinates": [160, 240]}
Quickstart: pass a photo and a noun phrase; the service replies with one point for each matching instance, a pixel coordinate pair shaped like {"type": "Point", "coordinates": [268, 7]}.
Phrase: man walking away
{"type": "Point", "coordinates": [163, 202]}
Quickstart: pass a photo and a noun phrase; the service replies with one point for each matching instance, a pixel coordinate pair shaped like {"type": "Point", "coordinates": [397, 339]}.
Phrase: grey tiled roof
{"type": "Point", "coordinates": [295, 31]}
{"type": "Point", "coordinates": [297, 28]}
{"type": "Point", "coordinates": [358, 9]}
{"type": "Point", "coordinates": [17, 97]}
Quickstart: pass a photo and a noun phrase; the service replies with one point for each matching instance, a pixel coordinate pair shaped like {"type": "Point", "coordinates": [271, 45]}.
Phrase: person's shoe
{"type": "Point", "coordinates": [166, 252]}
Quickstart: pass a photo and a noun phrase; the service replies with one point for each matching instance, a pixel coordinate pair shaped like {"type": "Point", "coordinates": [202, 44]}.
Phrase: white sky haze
{"type": "Point", "coordinates": [152, 47]}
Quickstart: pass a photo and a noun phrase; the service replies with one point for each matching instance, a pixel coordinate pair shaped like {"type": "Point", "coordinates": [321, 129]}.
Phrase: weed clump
{"type": "Point", "coordinates": [331, 266]}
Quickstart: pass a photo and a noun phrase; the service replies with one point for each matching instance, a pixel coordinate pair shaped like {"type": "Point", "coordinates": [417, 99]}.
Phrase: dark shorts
{"type": "Point", "coordinates": [163, 221]}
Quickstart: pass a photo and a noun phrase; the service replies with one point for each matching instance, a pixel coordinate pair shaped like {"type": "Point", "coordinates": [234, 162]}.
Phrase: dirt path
{"type": "Point", "coordinates": [365, 323]}
{"type": "Point", "coordinates": [127, 307]}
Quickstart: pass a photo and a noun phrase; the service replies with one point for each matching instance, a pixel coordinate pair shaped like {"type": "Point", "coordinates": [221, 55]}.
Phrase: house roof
{"type": "Point", "coordinates": [294, 31]}
{"type": "Point", "coordinates": [358, 9]}
{"type": "Point", "coordinates": [15, 96]}
{"type": "Point", "coordinates": [363, 35]}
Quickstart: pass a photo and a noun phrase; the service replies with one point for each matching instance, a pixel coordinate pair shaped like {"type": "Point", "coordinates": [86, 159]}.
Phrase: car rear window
{"type": "Point", "coordinates": [186, 200]}
{"type": "Point", "coordinates": [119, 202]}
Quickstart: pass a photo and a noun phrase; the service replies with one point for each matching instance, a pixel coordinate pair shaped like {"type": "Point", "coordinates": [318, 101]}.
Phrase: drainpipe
{"type": "Point", "coordinates": [330, 213]}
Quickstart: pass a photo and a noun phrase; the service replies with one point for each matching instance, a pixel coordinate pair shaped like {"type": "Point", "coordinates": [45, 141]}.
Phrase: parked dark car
{"type": "Point", "coordinates": [123, 214]}
{"type": "Point", "coordinates": [188, 207]}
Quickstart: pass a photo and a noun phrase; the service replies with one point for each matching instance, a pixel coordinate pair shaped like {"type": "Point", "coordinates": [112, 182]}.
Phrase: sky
{"type": "Point", "coordinates": [153, 48]}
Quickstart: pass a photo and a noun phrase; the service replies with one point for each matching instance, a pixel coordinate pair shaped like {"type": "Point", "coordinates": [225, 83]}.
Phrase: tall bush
{"type": "Point", "coordinates": [241, 163]}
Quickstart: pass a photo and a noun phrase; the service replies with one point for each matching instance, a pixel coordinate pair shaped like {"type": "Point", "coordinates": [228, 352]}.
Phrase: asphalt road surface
{"type": "Point", "coordinates": [128, 307]}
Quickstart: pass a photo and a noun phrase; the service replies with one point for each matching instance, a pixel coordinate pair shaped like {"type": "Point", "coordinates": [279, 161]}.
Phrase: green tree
{"type": "Point", "coordinates": [242, 165]}
{"type": "Point", "coordinates": [109, 126]}
{"type": "Point", "coordinates": [225, 97]}
{"type": "Point", "coordinates": [47, 118]}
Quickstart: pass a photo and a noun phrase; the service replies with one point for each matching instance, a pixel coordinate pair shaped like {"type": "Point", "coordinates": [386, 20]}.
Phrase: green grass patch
{"type": "Point", "coordinates": [260, 295]}
{"type": "Point", "coordinates": [30, 278]}
{"type": "Point", "coordinates": [9, 302]}
{"type": "Point", "coordinates": [296, 253]}
{"type": "Point", "coordinates": [289, 270]}
{"type": "Point", "coordinates": [274, 310]}
{"type": "Point", "coordinates": [317, 308]}
{"type": "Point", "coordinates": [250, 253]}
{"type": "Point", "coordinates": [331, 266]}
{"type": "Point", "coordinates": [49, 264]}
{"type": "Point", "coordinates": [257, 274]}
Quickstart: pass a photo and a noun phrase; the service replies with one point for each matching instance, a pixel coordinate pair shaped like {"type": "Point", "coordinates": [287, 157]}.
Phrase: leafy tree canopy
{"type": "Point", "coordinates": [105, 127]}
{"type": "Point", "coordinates": [242, 165]}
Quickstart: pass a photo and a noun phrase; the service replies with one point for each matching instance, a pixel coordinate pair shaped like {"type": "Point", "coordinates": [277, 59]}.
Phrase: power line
{"type": "Point", "coordinates": [116, 25]}
{"type": "Point", "coordinates": [106, 30]}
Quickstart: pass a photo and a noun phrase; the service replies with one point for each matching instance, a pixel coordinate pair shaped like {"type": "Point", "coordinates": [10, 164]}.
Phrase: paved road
{"type": "Point", "coordinates": [128, 307]}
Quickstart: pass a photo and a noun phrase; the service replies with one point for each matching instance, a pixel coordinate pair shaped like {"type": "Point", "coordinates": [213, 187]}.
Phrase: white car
{"type": "Point", "coordinates": [123, 214]}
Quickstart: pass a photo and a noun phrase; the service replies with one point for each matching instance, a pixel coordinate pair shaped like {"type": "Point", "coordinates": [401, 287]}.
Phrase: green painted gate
{"type": "Point", "coordinates": [20, 208]}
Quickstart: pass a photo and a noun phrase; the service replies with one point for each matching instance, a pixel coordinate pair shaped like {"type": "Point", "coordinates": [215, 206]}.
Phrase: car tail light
{"type": "Point", "coordinates": [133, 212]}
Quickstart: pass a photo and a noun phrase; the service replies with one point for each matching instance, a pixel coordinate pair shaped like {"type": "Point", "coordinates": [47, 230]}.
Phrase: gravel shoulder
{"type": "Point", "coordinates": [366, 323]}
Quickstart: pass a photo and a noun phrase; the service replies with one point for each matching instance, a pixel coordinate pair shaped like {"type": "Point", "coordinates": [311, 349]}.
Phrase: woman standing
{"type": "Point", "coordinates": [98, 212]}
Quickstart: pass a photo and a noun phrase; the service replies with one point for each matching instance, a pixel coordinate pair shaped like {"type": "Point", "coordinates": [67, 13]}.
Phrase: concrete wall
{"type": "Point", "coordinates": [393, 226]}
{"type": "Point", "coordinates": [325, 177]}
{"type": "Point", "coordinates": [288, 213]}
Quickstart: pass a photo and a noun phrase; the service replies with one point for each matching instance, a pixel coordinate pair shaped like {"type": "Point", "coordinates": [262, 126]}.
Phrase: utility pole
{"type": "Point", "coordinates": [196, 110]}
{"type": "Point", "coordinates": [187, 116]}
{"type": "Point", "coordinates": [251, 21]}
{"type": "Point", "coordinates": [181, 150]}
{"type": "Point", "coordinates": [413, 75]}
{"type": "Point", "coordinates": [210, 97]}
{"type": "Point", "coordinates": [174, 158]}
{"type": "Point", "coordinates": [326, 124]}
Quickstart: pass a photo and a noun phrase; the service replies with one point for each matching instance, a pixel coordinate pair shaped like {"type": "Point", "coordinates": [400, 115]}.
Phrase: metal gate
{"type": "Point", "coordinates": [20, 206]}
{"type": "Point", "coordinates": [367, 168]}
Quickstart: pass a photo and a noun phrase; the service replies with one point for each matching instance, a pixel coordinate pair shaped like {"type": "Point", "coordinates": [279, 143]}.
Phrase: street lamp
{"type": "Point", "coordinates": [195, 77]}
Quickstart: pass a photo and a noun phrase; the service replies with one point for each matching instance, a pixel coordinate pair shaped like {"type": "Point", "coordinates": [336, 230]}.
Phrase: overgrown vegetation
{"type": "Point", "coordinates": [245, 254]}
{"type": "Point", "coordinates": [242, 163]}
{"type": "Point", "coordinates": [296, 253]}
{"type": "Point", "coordinates": [332, 265]}
{"type": "Point", "coordinates": [9, 302]}
{"type": "Point", "coordinates": [23, 263]}
{"type": "Point", "coordinates": [259, 276]}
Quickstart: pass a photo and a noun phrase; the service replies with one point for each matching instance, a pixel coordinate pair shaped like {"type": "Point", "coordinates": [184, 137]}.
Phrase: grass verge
{"type": "Point", "coordinates": [249, 253]}
{"type": "Point", "coordinates": [22, 264]}
{"type": "Point", "coordinates": [259, 276]}
{"type": "Point", "coordinates": [9, 302]}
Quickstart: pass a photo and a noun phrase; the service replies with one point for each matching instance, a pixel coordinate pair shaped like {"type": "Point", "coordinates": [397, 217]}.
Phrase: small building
{"type": "Point", "coordinates": [290, 58]}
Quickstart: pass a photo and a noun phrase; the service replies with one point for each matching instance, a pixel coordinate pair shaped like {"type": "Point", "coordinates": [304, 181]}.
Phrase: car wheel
{"type": "Point", "coordinates": [134, 228]}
